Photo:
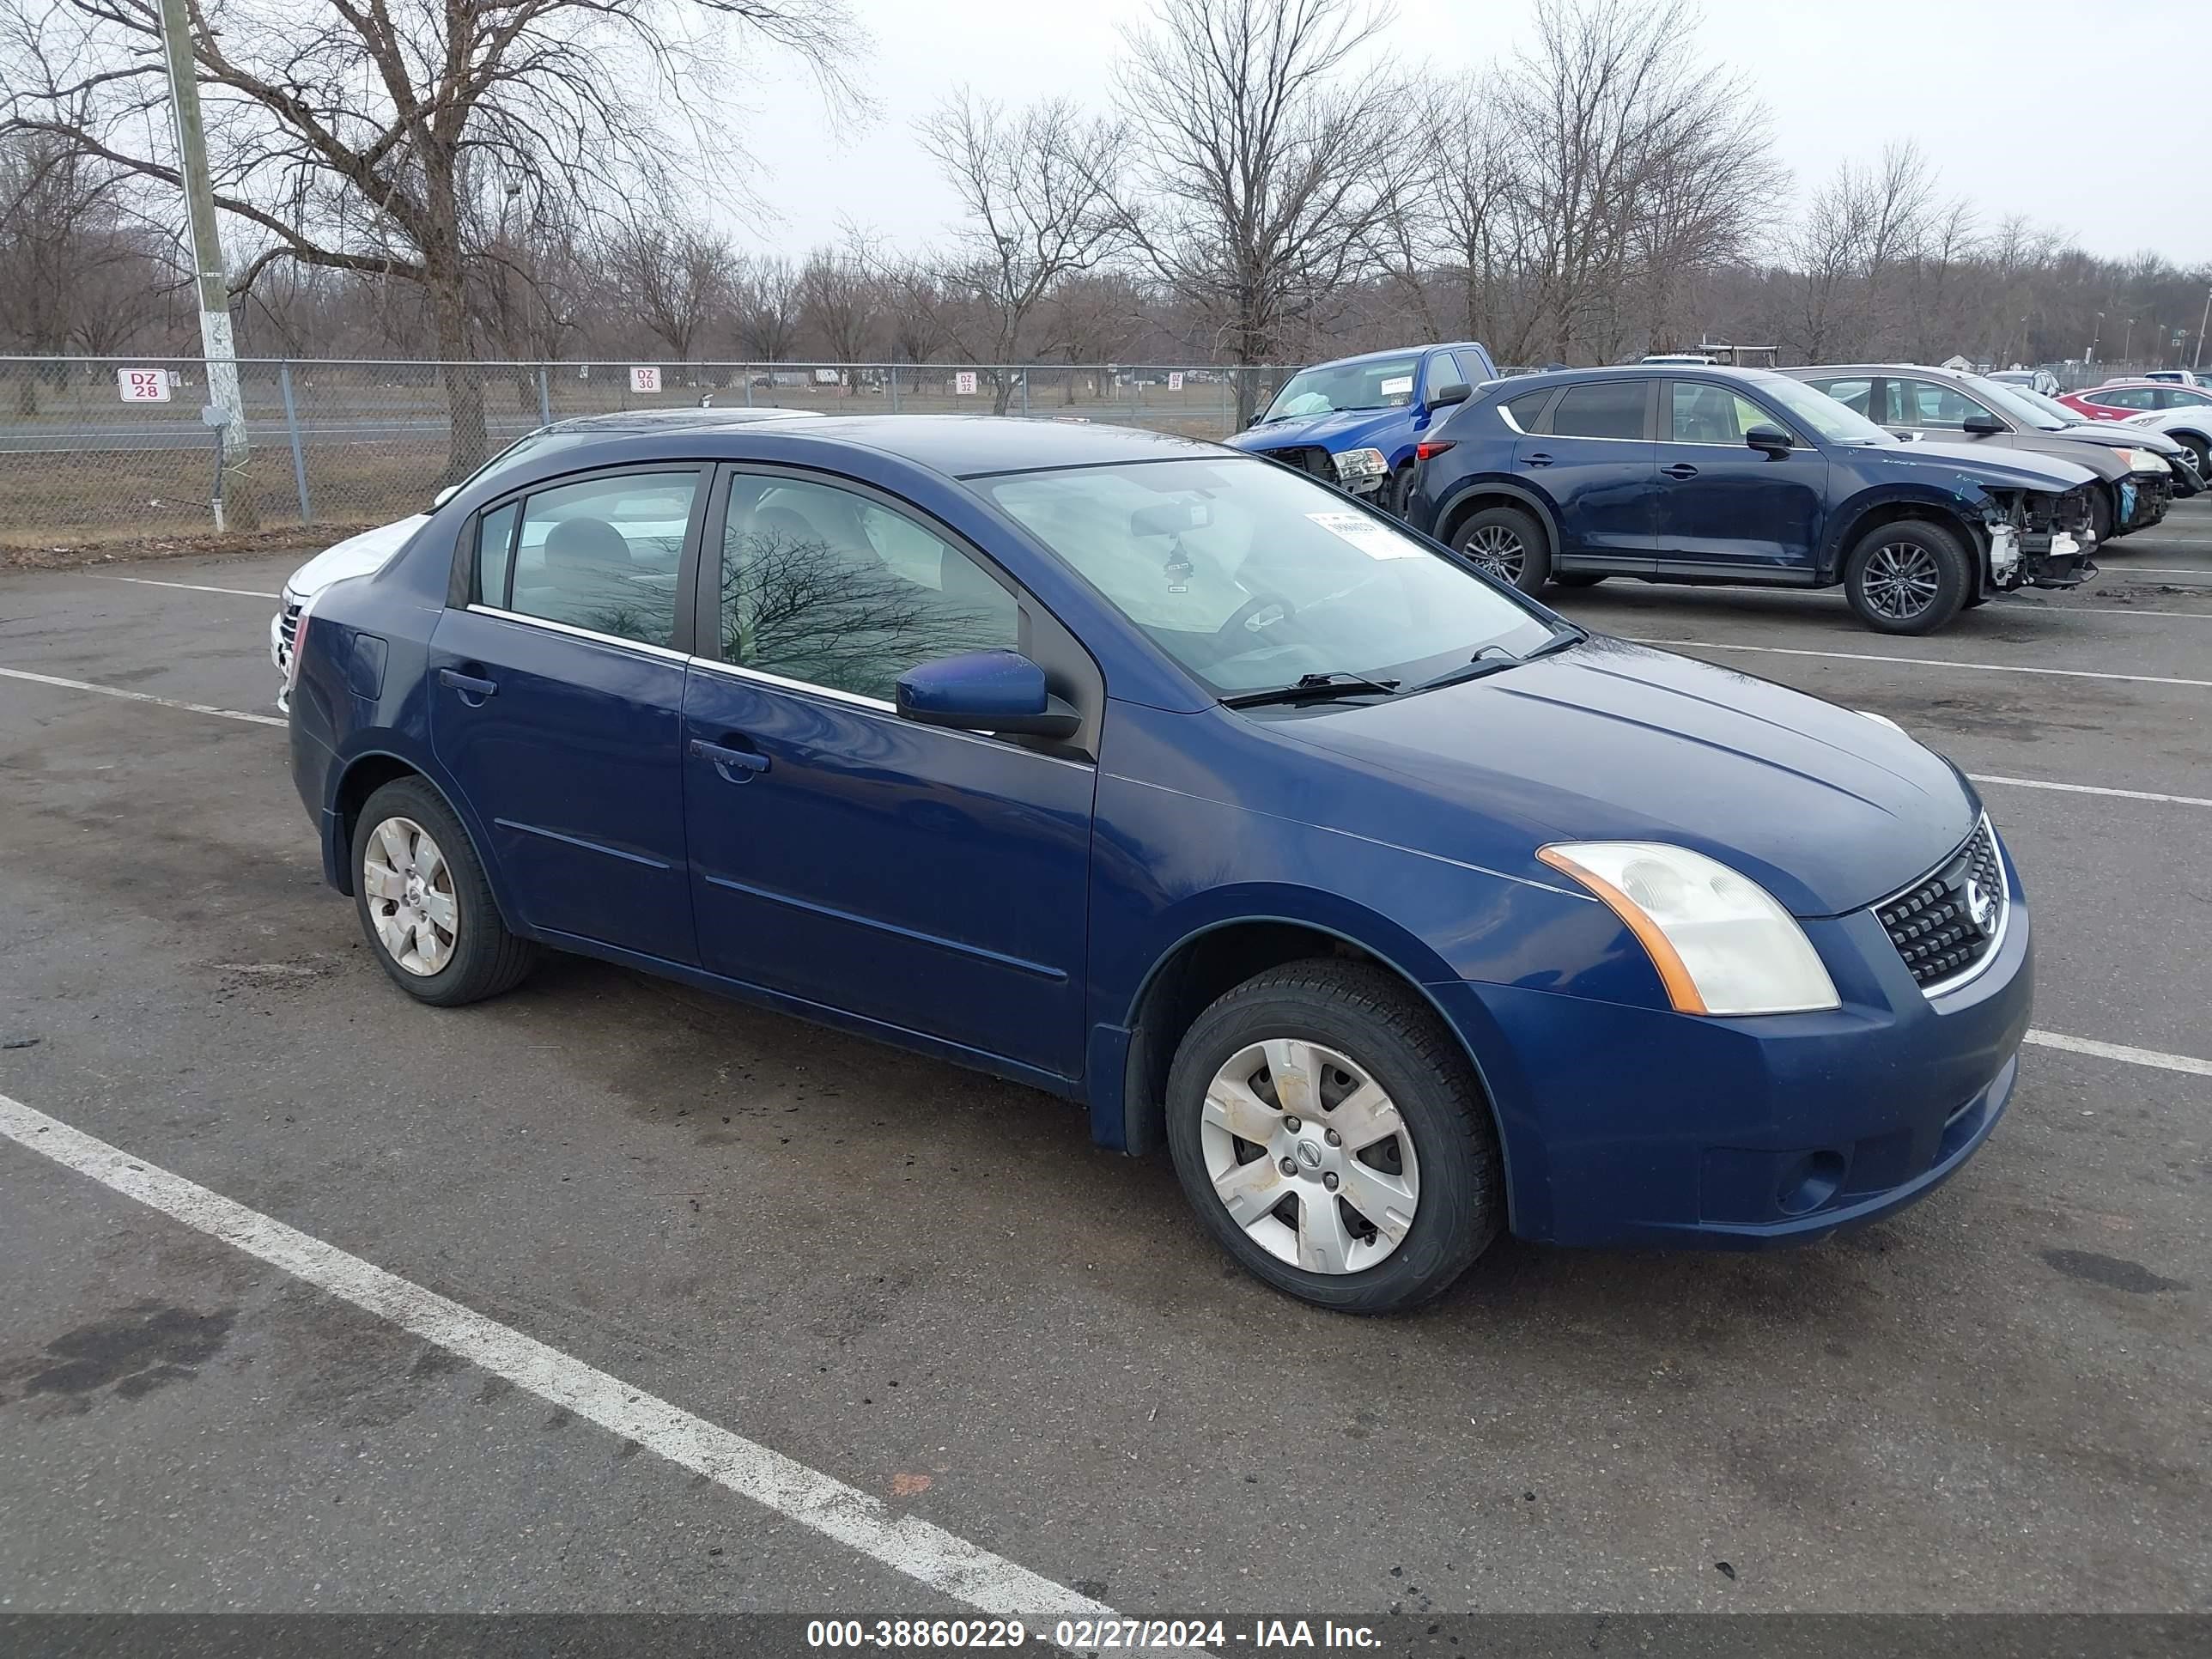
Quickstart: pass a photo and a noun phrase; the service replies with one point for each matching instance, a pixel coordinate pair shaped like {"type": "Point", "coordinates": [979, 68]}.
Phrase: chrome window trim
{"type": "Point", "coordinates": [1505, 414]}
{"type": "Point", "coordinates": [876, 705]}
{"type": "Point", "coordinates": [667, 653]}
{"type": "Point", "coordinates": [1945, 986]}
{"type": "Point", "coordinates": [1586, 438]}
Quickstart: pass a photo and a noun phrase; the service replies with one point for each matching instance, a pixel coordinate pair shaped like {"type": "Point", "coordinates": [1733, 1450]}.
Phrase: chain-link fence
{"type": "Point", "coordinates": [116, 449]}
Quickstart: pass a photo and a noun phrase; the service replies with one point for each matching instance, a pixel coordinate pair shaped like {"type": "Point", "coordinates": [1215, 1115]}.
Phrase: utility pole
{"type": "Point", "coordinates": [2207, 318]}
{"type": "Point", "coordinates": [234, 499]}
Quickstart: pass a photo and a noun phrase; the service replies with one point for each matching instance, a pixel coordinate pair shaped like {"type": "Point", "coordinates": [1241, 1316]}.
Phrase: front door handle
{"type": "Point", "coordinates": [1680, 469]}
{"type": "Point", "coordinates": [473, 690]}
{"type": "Point", "coordinates": [1540, 458]}
{"type": "Point", "coordinates": [735, 765]}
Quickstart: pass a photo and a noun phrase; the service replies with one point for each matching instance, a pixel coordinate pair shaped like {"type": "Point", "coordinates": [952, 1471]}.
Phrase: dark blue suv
{"type": "Point", "coordinates": [1357, 422]}
{"type": "Point", "coordinates": [1671, 474]}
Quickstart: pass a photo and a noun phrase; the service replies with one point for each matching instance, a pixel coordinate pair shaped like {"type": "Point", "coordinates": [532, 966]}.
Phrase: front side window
{"type": "Point", "coordinates": [1251, 576]}
{"type": "Point", "coordinates": [2126, 397]}
{"type": "Point", "coordinates": [1706, 414]}
{"type": "Point", "coordinates": [830, 588]}
{"type": "Point", "coordinates": [1930, 403]}
{"type": "Point", "coordinates": [1602, 409]}
{"type": "Point", "coordinates": [2183, 397]}
{"type": "Point", "coordinates": [605, 555]}
{"type": "Point", "coordinates": [1384, 383]}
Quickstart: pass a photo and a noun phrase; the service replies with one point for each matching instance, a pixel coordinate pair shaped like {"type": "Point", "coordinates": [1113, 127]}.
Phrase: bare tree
{"type": "Point", "coordinates": [1038, 189]}
{"type": "Point", "coordinates": [346, 134]}
{"type": "Point", "coordinates": [1259, 147]}
{"type": "Point", "coordinates": [676, 277]}
{"type": "Point", "coordinates": [841, 300]}
{"type": "Point", "coordinates": [765, 303]}
{"type": "Point", "coordinates": [1825, 250]}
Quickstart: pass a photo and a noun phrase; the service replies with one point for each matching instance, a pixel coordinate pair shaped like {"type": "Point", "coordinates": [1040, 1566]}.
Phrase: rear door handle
{"type": "Point", "coordinates": [1540, 458]}
{"type": "Point", "coordinates": [736, 765]}
{"type": "Point", "coordinates": [467, 684]}
{"type": "Point", "coordinates": [1680, 469]}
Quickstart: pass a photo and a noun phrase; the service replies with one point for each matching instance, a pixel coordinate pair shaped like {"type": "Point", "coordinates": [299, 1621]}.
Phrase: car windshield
{"type": "Point", "coordinates": [1372, 383]}
{"type": "Point", "coordinates": [1253, 576]}
{"type": "Point", "coordinates": [2051, 414]}
{"type": "Point", "coordinates": [2014, 400]}
{"type": "Point", "coordinates": [1833, 421]}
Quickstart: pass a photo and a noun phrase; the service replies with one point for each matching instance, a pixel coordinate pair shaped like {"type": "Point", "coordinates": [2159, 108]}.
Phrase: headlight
{"type": "Point", "coordinates": [1721, 944]}
{"type": "Point", "coordinates": [1354, 465]}
{"type": "Point", "coordinates": [2144, 461]}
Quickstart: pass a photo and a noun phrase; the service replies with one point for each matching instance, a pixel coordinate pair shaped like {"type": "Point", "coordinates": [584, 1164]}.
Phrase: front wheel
{"type": "Point", "coordinates": [424, 903]}
{"type": "Point", "coordinates": [1505, 543]}
{"type": "Point", "coordinates": [1910, 577]}
{"type": "Point", "coordinates": [1333, 1139]}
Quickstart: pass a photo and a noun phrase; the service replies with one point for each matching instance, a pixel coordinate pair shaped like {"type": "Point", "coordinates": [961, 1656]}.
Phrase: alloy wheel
{"type": "Point", "coordinates": [1496, 548]}
{"type": "Point", "coordinates": [1310, 1156]}
{"type": "Point", "coordinates": [1901, 580]}
{"type": "Point", "coordinates": [410, 896]}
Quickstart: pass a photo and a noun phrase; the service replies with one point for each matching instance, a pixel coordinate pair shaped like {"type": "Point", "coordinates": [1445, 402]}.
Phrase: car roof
{"type": "Point", "coordinates": [1722, 372]}
{"type": "Point", "coordinates": [2114, 386]}
{"type": "Point", "coordinates": [662, 420]}
{"type": "Point", "coordinates": [1394, 352]}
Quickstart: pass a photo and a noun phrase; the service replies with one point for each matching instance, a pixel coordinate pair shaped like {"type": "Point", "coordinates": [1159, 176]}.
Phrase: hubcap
{"type": "Point", "coordinates": [1497, 549]}
{"type": "Point", "coordinates": [1901, 580]}
{"type": "Point", "coordinates": [410, 896]}
{"type": "Point", "coordinates": [1310, 1157]}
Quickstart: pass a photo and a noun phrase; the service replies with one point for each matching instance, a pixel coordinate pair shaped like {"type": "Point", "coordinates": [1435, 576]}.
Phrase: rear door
{"type": "Point", "coordinates": [1595, 460]}
{"type": "Point", "coordinates": [934, 880]}
{"type": "Point", "coordinates": [557, 695]}
{"type": "Point", "coordinates": [1726, 509]}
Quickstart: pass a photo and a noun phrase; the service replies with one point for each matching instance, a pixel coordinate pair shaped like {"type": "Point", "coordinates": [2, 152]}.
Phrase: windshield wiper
{"type": "Point", "coordinates": [1311, 688]}
{"type": "Point", "coordinates": [1485, 662]}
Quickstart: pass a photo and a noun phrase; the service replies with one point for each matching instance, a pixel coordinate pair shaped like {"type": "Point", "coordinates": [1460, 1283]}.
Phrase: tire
{"type": "Point", "coordinates": [1910, 577]}
{"type": "Point", "coordinates": [1401, 490]}
{"type": "Point", "coordinates": [1578, 578]}
{"type": "Point", "coordinates": [1436, 1148]}
{"type": "Point", "coordinates": [2197, 447]}
{"type": "Point", "coordinates": [2101, 511]}
{"type": "Point", "coordinates": [474, 957]}
{"type": "Point", "coordinates": [1509, 545]}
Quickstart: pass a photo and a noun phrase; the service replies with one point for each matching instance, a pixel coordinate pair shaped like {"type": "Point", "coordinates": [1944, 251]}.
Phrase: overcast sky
{"type": "Point", "coordinates": [1996, 91]}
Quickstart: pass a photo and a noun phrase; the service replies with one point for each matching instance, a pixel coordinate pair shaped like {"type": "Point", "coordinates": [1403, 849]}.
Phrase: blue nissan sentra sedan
{"type": "Point", "coordinates": [1399, 909]}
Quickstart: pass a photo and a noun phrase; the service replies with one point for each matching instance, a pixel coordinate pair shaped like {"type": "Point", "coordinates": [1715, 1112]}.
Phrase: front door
{"type": "Point", "coordinates": [556, 700]}
{"type": "Point", "coordinates": [1594, 461]}
{"type": "Point", "coordinates": [936, 881]}
{"type": "Point", "coordinates": [1726, 509]}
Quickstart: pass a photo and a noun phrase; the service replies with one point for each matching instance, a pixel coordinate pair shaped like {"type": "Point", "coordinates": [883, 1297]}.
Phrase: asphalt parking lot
{"type": "Point", "coordinates": [929, 1286]}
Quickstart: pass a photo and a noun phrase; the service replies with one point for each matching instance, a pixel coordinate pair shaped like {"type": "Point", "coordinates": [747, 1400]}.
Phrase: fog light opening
{"type": "Point", "coordinates": [1810, 1182]}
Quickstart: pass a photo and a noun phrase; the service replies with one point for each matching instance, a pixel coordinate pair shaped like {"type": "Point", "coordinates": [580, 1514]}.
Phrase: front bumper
{"type": "Point", "coordinates": [1635, 1127]}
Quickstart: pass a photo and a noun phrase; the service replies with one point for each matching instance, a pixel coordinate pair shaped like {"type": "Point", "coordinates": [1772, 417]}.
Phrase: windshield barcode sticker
{"type": "Point", "coordinates": [1377, 541]}
{"type": "Point", "coordinates": [1398, 385]}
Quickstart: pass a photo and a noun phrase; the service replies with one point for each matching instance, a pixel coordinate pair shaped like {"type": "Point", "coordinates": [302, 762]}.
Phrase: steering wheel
{"type": "Point", "coordinates": [1253, 606]}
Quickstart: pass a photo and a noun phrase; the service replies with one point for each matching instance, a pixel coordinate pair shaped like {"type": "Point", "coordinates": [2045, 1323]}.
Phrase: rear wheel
{"type": "Point", "coordinates": [1910, 577]}
{"type": "Point", "coordinates": [1401, 490]}
{"type": "Point", "coordinates": [424, 903]}
{"type": "Point", "coordinates": [1506, 542]}
{"type": "Point", "coordinates": [1333, 1137]}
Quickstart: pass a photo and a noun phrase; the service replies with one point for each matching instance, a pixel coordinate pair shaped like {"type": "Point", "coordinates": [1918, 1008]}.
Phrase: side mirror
{"type": "Point", "coordinates": [1768, 439]}
{"type": "Point", "coordinates": [985, 691]}
{"type": "Point", "coordinates": [1982, 426]}
{"type": "Point", "coordinates": [1445, 396]}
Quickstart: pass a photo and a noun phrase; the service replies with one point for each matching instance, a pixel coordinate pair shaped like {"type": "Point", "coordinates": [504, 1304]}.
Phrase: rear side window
{"type": "Point", "coordinates": [1929, 403]}
{"type": "Point", "coordinates": [605, 555]}
{"type": "Point", "coordinates": [2127, 397]}
{"type": "Point", "coordinates": [1528, 408]}
{"type": "Point", "coordinates": [495, 552]}
{"type": "Point", "coordinates": [1851, 393]}
{"type": "Point", "coordinates": [1602, 409]}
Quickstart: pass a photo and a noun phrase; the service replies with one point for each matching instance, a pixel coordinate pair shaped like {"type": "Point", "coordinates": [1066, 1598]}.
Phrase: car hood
{"type": "Point", "coordinates": [2120, 434]}
{"type": "Point", "coordinates": [1827, 810]}
{"type": "Point", "coordinates": [356, 555]}
{"type": "Point", "coordinates": [2011, 469]}
{"type": "Point", "coordinates": [1342, 429]}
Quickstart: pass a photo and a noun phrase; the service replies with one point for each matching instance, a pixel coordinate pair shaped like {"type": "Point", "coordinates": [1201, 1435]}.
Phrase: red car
{"type": "Point", "coordinates": [2116, 400]}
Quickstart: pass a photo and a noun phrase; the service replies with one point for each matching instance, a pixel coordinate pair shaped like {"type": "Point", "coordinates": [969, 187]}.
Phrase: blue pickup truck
{"type": "Point", "coordinates": [1355, 422]}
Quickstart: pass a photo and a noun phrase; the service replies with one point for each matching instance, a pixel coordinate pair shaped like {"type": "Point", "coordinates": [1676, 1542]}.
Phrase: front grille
{"type": "Point", "coordinates": [289, 624]}
{"type": "Point", "coordinates": [2046, 514]}
{"type": "Point", "coordinates": [1306, 457]}
{"type": "Point", "coordinates": [1933, 924]}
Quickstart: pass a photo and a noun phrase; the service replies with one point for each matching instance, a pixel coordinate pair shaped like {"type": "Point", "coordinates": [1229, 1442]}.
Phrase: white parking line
{"type": "Point", "coordinates": [904, 1543]}
{"type": "Point", "coordinates": [196, 587]}
{"type": "Point", "coordinates": [140, 697]}
{"type": "Point", "coordinates": [2188, 1063]}
{"type": "Point", "coordinates": [1916, 662]}
{"type": "Point", "coordinates": [2090, 789]}
{"type": "Point", "coordinates": [2123, 611]}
